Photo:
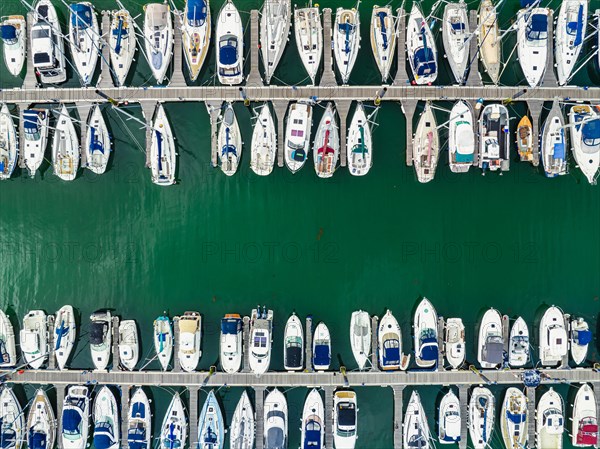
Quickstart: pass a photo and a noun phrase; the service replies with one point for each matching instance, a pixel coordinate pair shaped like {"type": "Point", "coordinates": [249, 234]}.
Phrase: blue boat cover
{"type": "Point", "coordinates": [460, 26]}
{"type": "Point", "coordinates": [4, 358]}
{"type": "Point", "coordinates": [30, 120]}
{"type": "Point", "coordinates": [210, 436]}
{"type": "Point", "coordinates": [322, 356]}
{"type": "Point", "coordinates": [538, 28]}
{"type": "Point", "coordinates": [228, 52]}
{"type": "Point", "coordinates": [37, 440]}
{"type": "Point", "coordinates": [299, 155]}
{"type": "Point", "coordinates": [527, 3]}
{"type": "Point", "coordinates": [2, 166]}
{"type": "Point", "coordinates": [103, 435]}
{"type": "Point", "coordinates": [312, 435]}
{"type": "Point", "coordinates": [71, 421]}
{"type": "Point", "coordinates": [231, 326]}
{"type": "Point", "coordinates": [424, 61]}
{"type": "Point", "coordinates": [136, 438]}
{"type": "Point", "coordinates": [517, 418]}
{"type": "Point", "coordinates": [429, 348]}
{"type": "Point", "coordinates": [591, 132]}
{"type": "Point", "coordinates": [579, 33]}
{"type": "Point", "coordinates": [81, 15]}
{"type": "Point", "coordinates": [119, 32]}
{"type": "Point", "coordinates": [382, 15]}
{"type": "Point", "coordinates": [8, 32]}
{"type": "Point", "coordinates": [559, 150]}
{"type": "Point", "coordinates": [138, 410]}
{"type": "Point", "coordinates": [346, 28]}
{"type": "Point", "coordinates": [95, 145]}
{"type": "Point", "coordinates": [196, 12]}
{"type": "Point", "coordinates": [391, 352]}
{"type": "Point", "coordinates": [159, 140]}
{"type": "Point", "coordinates": [275, 438]}
{"type": "Point", "coordinates": [61, 331]}
{"type": "Point", "coordinates": [8, 436]}
{"type": "Point", "coordinates": [583, 337]}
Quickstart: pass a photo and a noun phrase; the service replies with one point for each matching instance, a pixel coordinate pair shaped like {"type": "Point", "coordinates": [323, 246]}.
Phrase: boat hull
{"type": "Point", "coordinates": [297, 136]}
{"type": "Point", "coordinates": [426, 146]}
{"type": "Point", "coordinates": [360, 337]}
{"type": "Point", "coordinates": [97, 142]}
{"type": "Point", "coordinates": [229, 142]}
{"type": "Point", "coordinates": [383, 39]}
{"type": "Point", "coordinates": [15, 51]}
{"type": "Point", "coordinates": [346, 41]}
{"type": "Point", "coordinates": [9, 151]}
{"type": "Point", "coordinates": [158, 39]}
{"type": "Point", "coordinates": [461, 137]}
{"type": "Point", "coordinates": [326, 146]}
{"type": "Point", "coordinates": [122, 44]}
{"type": "Point", "coordinates": [309, 39]}
{"type": "Point", "coordinates": [455, 32]}
{"type": "Point", "coordinates": [65, 333]}
{"type": "Point", "coordinates": [264, 143]}
{"type": "Point", "coordinates": [359, 143]}
{"type": "Point", "coordinates": [568, 42]}
{"type": "Point", "coordinates": [163, 155]}
{"type": "Point", "coordinates": [230, 41]}
{"type": "Point", "coordinates": [275, 23]}
{"type": "Point", "coordinates": [65, 147]}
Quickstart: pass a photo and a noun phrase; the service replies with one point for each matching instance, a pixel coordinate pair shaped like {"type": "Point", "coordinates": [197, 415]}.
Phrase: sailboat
{"type": "Point", "coordinates": [261, 339]}
{"type": "Point", "coordinates": [313, 421]}
{"type": "Point", "coordinates": [264, 143]}
{"type": "Point", "coordinates": [122, 43]}
{"type": "Point", "coordinates": [421, 49]}
{"type": "Point", "coordinates": [97, 141]}
{"type": "Point", "coordinates": [461, 137]}
{"type": "Point", "coordinates": [426, 146]}
{"type": "Point", "coordinates": [490, 349]}
{"type": "Point", "coordinates": [195, 35]}
{"type": "Point", "coordinates": [449, 419]}
{"type": "Point", "coordinates": [488, 40]}
{"type": "Point", "coordinates": [580, 337]}
{"type": "Point", "coordinates": [75, 418]}
{"type": "Point", "coordinates": [321, 348]}
{"type": "Point", "coordinates": [275, 420]}
{"type": "Point", "coordinates": [47, 45]}
{"type": "Point", "coordinates": [360, 143]}
{"type": "Point", "coordinates": [346, 41]}
{"type": "Point", "coordinates": [211, 429]}
{"type": "Point", "coordinates": [553, 144]}
{"type": "Point", "coordinates": [518, 344]}
{"type": "Point", "coordinates": [481, 417]}
{"type": "Point", "coordinates": [174, 429]}
{"type": "Point", "coordinates": [41, 423]}
{"type": "Point", "coordinates": [65, 147]}
{"type": "Point", "coordinates": [14, 35]}
{"type": "Point", "coordinates": [383, 39]}
{"type": "Point", "coordinates": [293, 344]}
{"type": "Point", "coordinates": [389, 338]}
{"type": "Point", "coordinates": [494, 144]}
{"type": "Point", "coordinates": [553, 337]}
{"type": "Point", "coordinates": [532, 47]}
{"type": "Point", "coordinates": [101, 338]}
{"type": "Point", "coordinates": [106, 420]}
{"type": "Point", "coordinates": [158, 38]}
{"type": "Point", "coordinates": [513, 419]}
{"type": "Point", "coordinates": [525, 139]}
{"type": "Point", "coordinates": [241, 430]}
{"type": "Point", "coordinates": [584, 425]}
{"type": "Point", "coordinates": [297, 136]}
{"type": "Point", "coordinates": [229, 142]}
{"type": "Point", "coordinates": [345, 419]}
{"type": "Point", "coordinates": [584, 127]}
{"type": "Point", "coordinates": [9, 143]}
{"type": "Point", "coordinates": [190, 339]}
{"type": "Point", "coordinates": [455, 32]}
{"type": "Point", "coordinates": [309, 39]}
{"type": "Point", "coordinates": [12, 420]}
{"type": "Point", "coordinates": [65, 334]}
{"type": "Point", "coordinates": [360, 337]}
{"type": "Point", "coordinates": [35, 125]}
{"type": "Point", "coordinates": [454, 342]}
{"type": "Point", "coordinates": [230, 39]}
{"type": "Point", "coordinates": [163, 340]}
{"type": "Point", "coordinates": [129, 345]}
{"type": "Point", "coordinates": [415, 427]}
{"type": "Point", "coordinates": [139, 421]}
{"type": "Point", "coordinates": [8, 349]}
{"type": "Point", "coordinates": [550, 421]}
{"type": "Point", "coordinates": [84, 37]}
{"type": "Point", "coordinates": [569, 37]}
{"type": "Point", "coordinates": [34, 338]}
{"type": "Point", "coordinates": [275, 22]}
{"type": "Point", "coordinates": [230, 346]}
{"type": "Point", "coordinates": [426, 335]}
{"type": "Point", "coordinates": [163, 156]}
{"type": "Point", "coordinates": [326, 146]}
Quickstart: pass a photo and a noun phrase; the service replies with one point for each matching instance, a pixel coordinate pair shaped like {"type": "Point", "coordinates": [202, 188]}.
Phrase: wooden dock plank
{"type": "Point", "coordinates": [409, 107]}
{"type": "Point", "coordinates": [308, 344]}
{"type": "Point", "coordinates": [473, 75]}
{"type": "Point", "coordinates": [60, 399]}
{"type": "Point", "coordinates": [259, 399]}
{"type": "Point", "coordinates": [125, 395]}
{"type": "Point", "coordinates": [530, 416]}
{"type": "Point", "coordinates": [343, 108]}
{"type": "Point", "coordinates": [464, 413]}
{"type": "Point", "coordinates": [374, 330]}
{"type": "Point", "coordinates": [535, 109]}
{"type": "Point", "coordinates": [30, 81]}
{"type": "Point", "coordinates": [254, 78]}
{"type": "Point", "coordinates": [328, 76]}
{"type": "Point", "coordinates": [401, 78]}
{"type": "Point", "coordinates": [105, 80]}
{"type": "Point", "coordinates": [115, 344]}
{"type": "Point", "coordinates": [193, 411]}
{"type": "Point", "coordinates": [398, 415]}
{"type": "Point", "coordinates": [440, 329]}
{"type": "Point", "coordinates": [176, 364]}
{"type": "Point", "coordinates": [51, 342]}
{"type": "Point", "coordinates": [280, 108]}
{"type": "Point", "coordinates": [328, 417]}
{"type": "Point", "coordinates": [177, 79]}
{"type": "Point", "coordinates": [246, 345]}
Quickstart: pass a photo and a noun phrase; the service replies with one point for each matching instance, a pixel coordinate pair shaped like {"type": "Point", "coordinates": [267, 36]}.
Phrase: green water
{"type": "Point", "coordinates": [218, 245]}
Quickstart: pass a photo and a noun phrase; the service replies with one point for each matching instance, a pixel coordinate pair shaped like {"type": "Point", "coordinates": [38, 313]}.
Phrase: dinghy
{"type": "Point", "coordinates": [309, 39]}
{"type": "Point", "coordinates": [584, 425]}
{"type": "Point", "coordinates": [487, 40]}
{"type": "Point", "coordinates": [195, 35]}
{"type": "Point", "coordinates": [65, 334]}
{"type": "Point", "coordinates": [101, 338]}
{"type": "Point", "coordinates": [550, 421]}
{"type": "Point", "coordinates": [84, 37]}
{"type": "Point", "coordinates": [173, 433]}
{"type": "Point", "coordinates": [34, 339]}
{"type": "Point", "coordinates": [230, 346]}
{"type": "Point", "coordinates": [553, 337]}
{"type": "Point", "coordinates": [532, 47]}
{"type": "Point", "coordinates": [8, 349]}
{"type": "Point", "coordinates": [275, 420]}
{"type": "Point", "coordinates": [230, 41]}
{"type": "Point", "coordinates": [513, 419]}
{"type": "Point", "coordinates": [426, 146]}
{"type": "Point", "coordinates": [163, 340]}
{"type": "Point", "coordinates": [454, 342]}
{"type": "Point", "coordinates": [449, 420]}
{"type": "Point", "coordinates": [553, 144]}
{"type": "Point", "coordinates": [14, 34]}
{"type": "Point", "coordinates": [41, 424]}
{"type": "Point", "coordinates": [518, 344]}
{"type": "Point", "coordinates": [569, 36]}
{"type": "Point", "coordinates": [525, 139]}
{"type": "Point", "coordinates": [584, 127]}
{"type": "Point", "coordinates": [383, 39]}
{"type": "Point", "coordinates": [421, 49]}
{"type": "Point", "coordinates": [293, 344]}
{"type": "Point", "coordinates": [163, 156]}
{"type": "Point", "coordinates": [389, 338]}
{"type": "Point", "coordinates": [321, 348]}
{"type": "Point", "coordinates": [65, 147]}
{"type": "Point", "coordinates": [455, 32]}
{"type": "Point", "coordinates": [313, 421]}
{"type": "Point", "coordinates": [426, 335]}
{"type": "Point", "coordinates": [47, 45]}
{"type": "Point", "coordinates": [241, 430]}
{"type": "Point", "coordinates": [190, 335]}
{"type": "Point", "coordinates": [481, 417]}
{"type": "Point", "coordinates": [261, 338]}
{"type": "Point", "coordinates": [106, 420]}
{"type": "Point", "coordinates": [326, 146]}
{"type": "Point", "coordinates": [297, 135]}
{"type": "Point", "coordinates": [275, 22]}
{"type": "Point", "coordinates": [490, 349]}
{"type": "Point", "coordinates": [345, 419]}
{"type": "Point", "coordinates": [139, 421]}
{"type": "Point", "coordinates": [75, 418]}
{"type": "Point", "coordinates": [360, 143]}
{"type": "Point", "coordinates": [158, 38]}
{"type": "Point", "coordinates": [97, 141]}
{"type": "Point", "coordinates": [360, 337]}
{"type": "Point", "coordinates": [129, 345]}
{"type": "Point", "coordinates": [122, 43]}
{"type": "Point", "coordinates": [12, 430]}
{"type": "Point", "coordinates": [494, 144]}
{"type": "Point", "coordinates": [346, 41]}
{"type": "Point", "coordinates": [461, 137]}
{"type": "Point", "coordinates": [35, 126]}
{"type": "Point", "coordinates": [211, 429]}
{"type": "Point", "coordinates": [229, 140]}
{"type": "Point", "coordinates": [264, 143]}
{"type": "Point", "coordinates": [580, 336]}
{"type": "Point", "coordinates": [9, 143]}
{"type": "Point", "coordinates": [415, 427]}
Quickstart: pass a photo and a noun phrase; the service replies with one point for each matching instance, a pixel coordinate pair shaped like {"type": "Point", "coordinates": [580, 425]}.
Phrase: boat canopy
{"type": "Point", "coordinates": [382, 16]}
{"type": "Point", "coordinates": [424, 61]}
{"type": "Point", "coordinates": [97, 331]}
{"type": "Point", "coordinates": [537, 29]}
{"type": "Point", "coordinates": [37, 440]}
{"type": "Point", "coordinates": [519, 344]}
{"type": "Point", "coordinates": [197, 11]}
{"type": "Point", "coordinates": [293, 352]}
{"type": "Point", "coordinates": [322, 355]}
{"type": "Point", "coordinates": [590, 134]}
{"type": "Point", "coordinates": [516, 418]}
{"type": "Point", "coordinates": [120, 31]}
{"type": "Point", "coordinates": [60, 332]}
{"type": "Point", "coordinates": [71, 421]}
{"type": "Point", "coordinates": [228, 50]}
{"type": "Point", "coordinates": [95, 144]}
{"type": "Point", "coordinates": [429, 345]}
{"type": "Point", "coordinates": [30, 120]}
{"type": "Point", "coordinates": [559, 150]}
{"type": "Point", "coordinates": [582, 337]}
{"type": "Point", "coordinates": [576, 28]}
{"type": "Point", "coordinates": [8, 435]}
{"type": "Point", "coordinates": [104, 436]}
{"type": "Point", "coordinates": [554, 421]}
{"type": "Point", "coordinates": [8, 33]}
{"type": "Point", "coordinates": [346, 28]}
{"type": "Point", "coordinates": [230, 326]}
{"type": "Point", "coordinates": [587, 433]}
{"type": "Point", "coordinates": [493, 350]}
{"type": "Point", "coordinates": [275, 438]}
{"type": "Point", "coordinates": [346, 414]}
{"type": "Point", "coordinates": [312, 435]}
{"type": "Point", "coordinates": [138, 410]}
{"type": "Point", "coordinates": [81, 15]}
{"type": "Point", "coordinates": [299, 155]}
{"type": "Point", "coordinates": [171, 440]}
{"type": "Point", "coordinates": [136, 437]}
{"type": "Point", "coordinates": [391, 350]}
{"type": "Point", "coordinates": [29, 343]}
{"type": "Point", "coordinates": [465, 142]}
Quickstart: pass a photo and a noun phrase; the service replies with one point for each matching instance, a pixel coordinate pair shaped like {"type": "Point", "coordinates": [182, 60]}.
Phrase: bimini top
{"type": "Point", "coordinates": [582, 337]}
{"type": "Point", "coordinates": [493, 350]}
{"type": "Point", "coordinates": [230, 326]}
{"type": "Point", "coordinates": [30, 120]}
{"type": "Point", "coordinates": [322, 356]}
{"type": "Point", "coordinates": [576, 28]}
{"type": "Point", "coordinates": [8, 32]}
{"type": "Point", "coordinates": [588, 431]}
{"type": "Point", "coordinates": [429, 345]}
{"type": "Point", "coordinates": [37, 440]}
{"type": "Point", "coordinates": [103, 435]}
{"type": "Point", "coordinates": [312, 438]}
{"type": "Point", "coordinates": [196, 12]}
{"type": "Point", "coordinates": [391, 350]}
{"type": "Point", "coordinates": [81, 15]}
{"type": "Point", "coordinates": [228, 50]}
{"type": "Point", "coordinates": [591, 134]}
{"type": "Point", "coordinates": [71, 422]}
{"type": "Point", "coordinates": [275, 437]}
{"type": "Point", "coordinates": [517, 418]}
{"type": "Point", "coordinates": [538, 27]}
{"type": "Point", "coordinates": [382, 15]}
{"type": "Point", "coordinates": [424, 60]}
{"type": "Point", "coordinates": [136, 437]}
{"type": "Point", "coordinates": [97, 331]}
{"type": "Point", "coordinates": [293, 352]}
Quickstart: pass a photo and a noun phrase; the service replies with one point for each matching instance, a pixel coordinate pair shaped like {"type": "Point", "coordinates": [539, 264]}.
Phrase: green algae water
{"type": "Point", "coordinates": [517, 242]}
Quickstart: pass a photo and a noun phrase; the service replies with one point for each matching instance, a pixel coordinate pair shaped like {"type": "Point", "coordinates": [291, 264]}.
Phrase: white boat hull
{"type": "Point", "coordinates": [230, 41]}
{"type": "Point", "coordinates": [518, 351]}
{"type": "Point", "coordinates": [587, 153]}
{"type": "Point", "coordinates": [65, 147]}
{"type": "Point", "coordinates": [34, 339]}
{"type": "Point", "coordinates": [383, 39]}
{"type": "Point", "coordinates": [264, 143]}
{"type": "Point", "coordinates": [326, 146]}
{"type": "Point", "coordinates": [122, 42]}
{"type": "Point", "coordinates": [449, 420]}
{"type": "Point", "coordinates": [163, 155]}
{"type": "Point", "coordinates": [481, 417]}
{"type": "Point", "coordinates": [421, 49]}
{"type": "Point", "coordinates": [553, 145]}
{"type": "Point", "coordinates": [532, 47]}
{"type": "Point", "coordinates": [550, 421]}
{"type": "Point", "coordinates": [275, 417]}
{"type": "Point", "coordinates": [426, 146]}
{"type": "Point", "coordinates": [15, 49]}
{"type": "Point", "coordinates": [241, 431]}
{"type": "Point", "coordinates": [7, 337]}
{"type": "Point", "coordinates": [455, 32]}
{"type": "Point", "coordinates": [97, 142]}
{"type": "Point", "coordinates": [309, 39]}
{"type": "Point", "coordinates": [158, 39]}
{"type": "Point", "coordinates": [461, 137]}
{"type": "Point", "coordinates": [76, 402]}
{"type": "Point", "coordinates": [129, 346]}
{"type": "Point", "coordinates": [85, 42]}
{"type": "Point", "coordinates": [106, 413]}
{"type": "Point", "coordinates": [195, 37]}
{"type": "Point", "coordinates": [553, 337]}
{"type": "Point", "coordinates": [346, 41]}
{"type": "Point", "coordinates": [35, 139]}
{"type": "Point", "coordinates": [389, 339]}
{"type": "Point", "coordinates": [425, 335]}
{"type": "Point", "coordinates": [65, 333]}
{"type": "Point", "coordinates": [514, 419]}
{"type": "Point", "coordinates": [163, 341]}
{"type": "Point", "coordinates": [490, 334]}
{"type": "Point", "coordinates": [229, 142]}
{"type": "Point", "coordinates": [568, 41]}
{"type": "Point", "coordinates": [275, 23]}
{"type": "Point", "coordinates": [9, 148]}
{"type": "Point", "coordinates": [174, 427]}
{"type": "Point", "coordinates": [360, 337]}
{"type": "Point", "coordinates": [297, 136]}
{"type": "Point", "coordinates": [585, 418]}
{"type": "Point", "coordinates": [415, 427]}
{"type": "Point", "coordinates": [321, 343]}
{"type": "Point", "coordinates": [359, 143]}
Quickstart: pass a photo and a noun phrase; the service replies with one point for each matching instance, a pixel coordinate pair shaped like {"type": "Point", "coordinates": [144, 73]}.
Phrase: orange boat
{"type": "Point", "coordinates": [525, 139]}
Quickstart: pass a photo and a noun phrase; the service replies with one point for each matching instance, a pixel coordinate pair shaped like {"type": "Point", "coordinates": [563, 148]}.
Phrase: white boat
{"type": "Point", "coordinates": [122, 43]}
{"type": "Point", "coordinates": [584, 425]}
{"type": "Point", "coordinates": [454, 342]}
{"type": "Point", "coordinates": [487, 40]}
{"type": "Point", "coordinates": [426, 146]}
{"type": "Point", "coordinates": [513, 419]}
{"type": "Point", "coordinates": [173, 433]}
{"type": "Point", "coordinates": [211, 429]}
{"type": "Point", "coordinates": [584, 127]}
{"type": "Point", "coordinates": [106, 420]}
{"type": "Point", "coordinates": [230, 41]}
{"type": "Point", "coordinates": [360, 337]}
{"type": "Point", "coordinates": [421, 49]}
{"type": "Point", "coordinates": [518, 344]}
{"type": "Point", "coordinates": [553, 337]}
{"type": "Point", "coordinates": [313, 421]}
{"type": "Point", "coordinates": [190, 335]}
{"type": "Point", "coordinates": [425, 333]}
{"type": "Point", "coordinates": [345, 419]}
{"type": "Point", "coordinates": [494, 141]}
{"type": "Point", "coordinates": [261, 338]}
{"type": "Point", "coordinates": [297, 135]}
{"type": "Point", "coordinates": [14, 35]}
{"type": "Point", "coordinates": [8, 348]}
{"type": "Point", "coordinates": [9, 143]}
{"type": "Point", "coordinates": [389, 339]}
{"type": "Point", "coordinates": [326, 146]}
{"type": "Point", "coordinates": [383, 39]}
{"type": "Point", "coordinates": [293, 344]}
{"type": "Point", "coordinates": [47, 44]}
{"type": "Point", "coordinates": [34, 338]}
{"type": "Point", "coordinates": [65, 147]}
{"type": "Point", "coordinates": [12, 418]}
{"type": "Point", "coordinates": [158, 38]}
{"type": "Point", "coordinates": [65, 334]}
{"type": "Point", "coordinates": [230, 346]}
{"type": "Point", "coordinates": [415, 427]}
{"type": "Point", "coordinates": [195, 35]}
{"type": "Point", "coordinates": [84, 38]}
{"type": "Point", "coordinates": [75, 418]}
{"type": "Point", "coordinates": [275, 22]}
{"type": "Point", "coordinates": [569, 36]}
{"type": "Point", "coordinates": [550, 421]}
{"type": "Point", "coordinates": [553, 144]}
{"type": "Point", "coordinates": [41, 423]}
{"type": "Point", "coordinates": [532, 46]}
{"type": "Point", "coordinates": [101, 338]}
{"type": "Point", "coordinates": [229, 140]}
{"type": "Point", "coordinates": [139, 421]}
{"type": "Point", "coordinates": [129, 345]}
{"type": "Point", "coordinates": [321, 348]}
{"type": "Point", "coordinates": [264, 143]}
{"type": "Point", "coordinates": [490, 349]}
{"type": "Point", "coordinates": [163, 155]}
{"type": "Point", "coordinates": [461, 137]}
{"type": "Point", "coordinates": [275, 420]}
{"type": "Point", "coordinates": [241, 430]}
{"type": "Point", "coordinates": [449, 420]}
{"type": "Point", "coordinates": [97, 141]}
{"type": "Point", "coordinates": [580, 336]}
{"type": "Point", "coordinates": [481, 417]}
{"type": "Point", "coordinates": [346, 41]}
{"type": "Point", "coordinates": [360, 143]}
{"type": "Point", "coordinates": [455, 32]}
{"type": "Point", "coordinates": [35, 127]}
{"type": "Point", "coordinates": [163, 340]}
{"type": "Point", "coordinates": [309, 39]}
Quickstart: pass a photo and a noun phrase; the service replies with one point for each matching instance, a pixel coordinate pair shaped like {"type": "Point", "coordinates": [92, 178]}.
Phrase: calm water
{"type": "Point", "coordinates": [517, 242]}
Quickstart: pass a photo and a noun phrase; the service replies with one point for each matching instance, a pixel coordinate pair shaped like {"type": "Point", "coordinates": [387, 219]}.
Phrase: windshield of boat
{"type": "Point", "coordinates": [591, 135]}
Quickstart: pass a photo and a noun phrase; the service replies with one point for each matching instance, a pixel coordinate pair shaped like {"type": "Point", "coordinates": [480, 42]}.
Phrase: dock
{"type": "Point", "coordinates": [309, 344]}
{"type": "Point", "coordinates": [398, 415]}
{"type": "Point", "coordinates": [125, 396]}
{"type": "Point", "coordinates": [259, 401]}
{"type": "Point", "coordinates": [374, 329]}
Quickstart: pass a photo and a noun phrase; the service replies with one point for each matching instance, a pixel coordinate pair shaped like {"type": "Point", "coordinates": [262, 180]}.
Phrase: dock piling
{"type": "Point", "coordinates": [115, 343]}
{"type": "Point", "coordinates": [549, 78]}
{"type": "Point", "coordinates": [309, 344]}
{"type": "Point", "coordinates": [254, 78]}
{"type": "Point", "coordinates": [398, 414]}
{"type": "Point", "coordinates": [259, 399]}
{"type": "Point", "coordinates": [328, 77]}
{"type": "Point", "coordinates": [374, 330]}
{"type": "Point", "coordinates": [125, 395]}
{"type": "Point", "coordinates": [105, 81]}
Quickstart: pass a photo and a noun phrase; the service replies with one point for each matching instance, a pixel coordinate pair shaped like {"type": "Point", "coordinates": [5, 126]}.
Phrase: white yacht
{"type": "Point", "coordinates": [346, 41]}
{"type": "Point", "coordinates": [65, 334]}
{"type": "Point", "coordinates": [449, 419]}
{"type": "Point", "coordinates": [12, 431]}
{"type": "Point", "coordinates": [34, 339]}
{"type": "Point", "coordinates": [230, 42]}
{"type": "Point", "coordinates": [97, 141]}
{"type": "Point", "coordinates": [550, 421]}
{"type": "Point", "coordinates": [14, 35]}
{"type": "Point", "coordinates": [275, 23]}
{"type": "Point", "coordinates": [9, 143]}
{"type": "Point", "coordinates": [360, 143]}
{"type": "Point", "coordinates": [425, 332]}
{"type": "Point", "coordinates": [455, 32]}
{"type": "Point", "coordinates": [241, 430]}
{"type": "Point", "coordinates": [41, 423]}
{"type": "Point", "coordinates": [35, 127]}
{"type": "Point", "coordinates": [383, 39]}
{"type": "Point", "coordinates": [229, 142]}
{"type": "Point", "coordinates": [553, 339]}
{"type": "Point", "coordinates": [321, 348]}
{"type": "Point", "coordinates": [129, 344]}
{"type": "Point", "coordinates": [190, 337]}
{"type": "Point", "coordinates": [584, 127]}
{"type": "Point", "coordinates": [173, 433]}
{"type": "Point", "coordinates": [275, 420]}
{"type": "Point", "coordinates": [107, 426]}
{"type": "Point", "coordinates": [122, 43]}
{"type": "Point", "coordinates": [553, 144]}
{"type": "Point", "coordinates": [481, 417]}
{"type": "Point", "coordinates": [569, 36]}
{"type": "Point", "coordinates": [494, 138]}
{"type": "Point", "coordinates": [75, 418]}
{"type": "Point", "coordinates": [518, 344]}
{"type": "Point", "coordinates": [461, 137]}
{"type": "Point", "coordinates": [415, 427]}
{"type": "Point", "coordinates": [309, 39]}
{"type": "Point", "coordinates": [163, 340]}
{"type": "Point", "coordinates": [211, 429]}
{"type": "Point", "coordinates": [230, 346]}
{"type": "Point", "coordinates": [264, 143]}
{"type": "Point", "coordinates": [580, 337]}
{"type": "Point", "coordinates": [313, 421]}
{"type": "Point", "coordinates": [454, 342]}
{"type": "Point", "coordinates": [139, 421]}
{"type": "Point", "coordinates": [163, 155]}
{"type": "Point", "coordinates": [426, 146]}
{"type": "Point", "coordinates": [261, 338]}
{"type": "Point", "coordinates": [345, 419]}
{"type": "Point", "coordinates": [490, 349]}
{"type": "Point", "coordinates": [360, 337]}
{"type": "Point", "coordinates": [326, 146]}
{"type": "Point", "coordinates": [389, 338]}
{"type": "Point", "coordinates": [513, 419]}
{"type": "Point", "coordinates": [195, 35]}
{"type": "Point", "coordinates": [47, 44]}
{"type": "Point", "coordinates": [158, 38]}
{"type": "Point", "coordinates": [532, 46]}
{"type": "Point", "coordinates": [293, 344]}
{"type": "Point", "coordinates": [488, 41]}
{"type": "Point", "coordinates": [297, 136]}
{"type": "Point", "coordinates": [584, 424]}
{"type": "Point", "coordinates": [421, 49]}
{"type": "Point", "coordinates": [65, 147]}
{"type": "Point", "coordinates": [8, 348]}
{"type": "Point", "coordinates": [101, 338]}
{"type": "Point", "coordinates": [84, 38]}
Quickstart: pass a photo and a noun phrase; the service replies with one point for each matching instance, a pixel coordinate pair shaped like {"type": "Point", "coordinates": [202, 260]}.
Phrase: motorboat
{"type": "Point", "coordinates": [8, 348]}
{"type": "Point", "coordinates": [525, 139]}
{"type": "Point", "coordinates": [190, 335]}
{"type": "Point", "coordinates": [455, 35]}
{"type": "Point", "coordinates": [481, 417]}
{"type": "Point", "coordinates": [241, 430]}
{"type": "Point", "coordinates": [346, 41]}
{"type": "Point", "coordinates": [173, 432]}
{"type": "Point", "coordinates": [275, 420]}
{"type": "Point", "coordinates": [513, 419]}
{"type": "Point", "coordinates": [229, 141]}
{"type": "Point", "coordinates": [321, 348]}
{"type": "Point", "coordinates": [34, 338]}
{"type": "Point", "coordinates": [211, 429]}
{"type": "Point", "coordinates": [106, 420]}
{"type": "Point", "coordinates": [47, 44]}
{"type": "Point", "coordinates": [297, 135]}
{"type": "Point", "coordinates": [75, 418]}
{"type": "Point", "coordinates": [415, 427]}
{"type": "Point", "coordinates": [195, 35]}
{"type": "Point", "coordinates": [461, 137]}
{"type": "Point", "coordinates": [293, 344]}
{"type": "Point", "coordinates": [264, 143]}
{"type": "Point", "coordinates": [550, 421]}
{"type": "Point", "coordinates": [122, 44]}
{"type": "Point", "coordinates": [584, 127]}
{"type": "Point", "coordinates": [488, 40]}
{"type": "Point", "coordinates": [65, 334]}
{"type": "Point", "coordinates": [158, 38]}
{"type": "Point", "coordinates": [12, 418]}
{"type": "Point", "coordinates": [389, 339]}
{"type": "Point", "coordinates": [449, 420]}
{"type": "Point", "coordinates": [421, 49]}
{"type": "Point", "coordinates": [65, 147]}
{"type": "Point", "coordinates": [584, 425]}
{"type": "Point", "coordinates": [163, 340]}
{"type": "Point", "coordinates": [275, 23]}
{"type": "Point", "coordinates": [139, 421]}
{"type": "Point", "coordinates": [383, 39]}
{"type": "Point", "coordinates": [532, 46]}
{"type": "Point", "coordinates": [313, 421]}
{"type": "Point", "coordinates": [345, 419]}
{"type": "Point", "coordinates": [129, 344]}
{"type": "Point", "coordinates": [425, 332]}
{"type": "Point", "coordinates": [41, 423]}
{"type": "Point", "coordinates": [326, 146]}
{"type": "Point", "coordinates": [553, 144]}
{"type": "Point", "coordinates": [553, 337]}
{"type": "Point", "coordinates": [360, 143]}
{"type": "Point", "coordinates": [97, 141]}
{"type": "Point", "coordinates": [261, 338]}
{"type": "Point", "coordinates": [426, 146]}
{"type": "Point", "coordinates": [163, 155]}
{"type": "Point", "coordinates": [580, 337]}
{"type": "Point", "coordinates": [9, 143]}
{"type": "Point", "coordinates": [35, 127]}
{"type": "Point", "coordinates": [230, 41]}
{"type": "Point", "coordinates": [518, 344]}
{"type": "Point", "coordinates": [309, 39]}
{"type": "Point", "coordinates": [84, 38]}
{"type": "Point", "coordinates": [230, 346]}
{"type": "Point", "coordinates": [490, 349]}
{"type": "Point", "coordinates": [101, 338]}
{"type": "Point", "coordinates": [494, 143]}
{"type": "Point", "coordinates": [454, 342]}
{"type": "Point", "coordinates": [14, 34]}
{"type": "Point", "coordinates": [360, 337]}
{"type": "Point", "coordinates": [569, 36]}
